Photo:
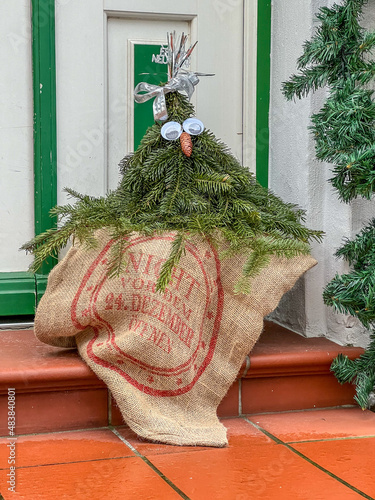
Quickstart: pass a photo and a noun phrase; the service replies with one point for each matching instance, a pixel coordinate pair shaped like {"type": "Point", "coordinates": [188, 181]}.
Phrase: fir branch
{"type": "Point", "coordinates": [360, 371]}
{"type": "Point", "coordinates": [47, 244]}
{"type": "Point", "coordinates": [215, 184]}
{"type": "Point", "coordinates": [177, 248]}
{"type": "Point", "coordinates": [308, 80]}
{"type": "Point", "coordinates": [360, 252]}
{"type": "Point", "coordinates": [117, 261]}
{"type": "Point", "coordinates": [354, 293]}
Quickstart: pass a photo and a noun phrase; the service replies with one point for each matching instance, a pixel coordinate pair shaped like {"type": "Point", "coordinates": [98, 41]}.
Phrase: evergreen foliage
{"type": "Point", "coordinates": [360, 370]}
{"type": "Point", "coordinates": [338, 56]}
{"type": "Point", "coordinates": [208, 194]}
{"type": "Point", "coordinates": [354, 293]}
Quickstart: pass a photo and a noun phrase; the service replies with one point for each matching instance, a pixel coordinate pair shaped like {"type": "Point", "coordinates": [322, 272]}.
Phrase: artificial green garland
{"type": "Point", "coordinates": [344, 130]}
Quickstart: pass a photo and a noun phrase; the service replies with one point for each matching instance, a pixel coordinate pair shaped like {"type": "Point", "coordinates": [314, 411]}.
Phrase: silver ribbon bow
{"type": "Point", "coordinates": [183, 82]}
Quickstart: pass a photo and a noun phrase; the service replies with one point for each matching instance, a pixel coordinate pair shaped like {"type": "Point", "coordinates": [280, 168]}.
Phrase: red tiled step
{"type": "Point", "coordinates": [55, 389]}
{"type": "Point", "coordinates": [286, 371]}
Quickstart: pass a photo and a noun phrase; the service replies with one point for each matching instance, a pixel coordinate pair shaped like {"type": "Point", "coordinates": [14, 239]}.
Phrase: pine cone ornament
{"type": "Point", "coordinates": [186, 144]}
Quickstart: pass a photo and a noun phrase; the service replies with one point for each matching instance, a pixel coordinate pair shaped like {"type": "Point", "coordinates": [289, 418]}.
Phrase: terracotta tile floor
{"type": "Point", "coordinates": [307, 455]}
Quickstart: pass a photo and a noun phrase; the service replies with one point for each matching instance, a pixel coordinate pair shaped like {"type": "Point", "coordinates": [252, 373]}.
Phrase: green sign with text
{"type": "Point", "coordinates": [150, 67]}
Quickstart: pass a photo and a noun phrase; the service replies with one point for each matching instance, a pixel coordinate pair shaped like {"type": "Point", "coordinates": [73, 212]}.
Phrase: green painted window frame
{"type": "Point", "coordinates": [21, 291]}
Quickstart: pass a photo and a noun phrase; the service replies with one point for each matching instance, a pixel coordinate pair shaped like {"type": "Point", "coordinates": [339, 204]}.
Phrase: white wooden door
{"type": "Point", "coordinates": [95, 42]}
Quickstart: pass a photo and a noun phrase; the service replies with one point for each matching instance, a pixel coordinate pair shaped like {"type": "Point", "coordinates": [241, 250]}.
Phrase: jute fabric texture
{"type": "Point", "coordinates": [168, 358]}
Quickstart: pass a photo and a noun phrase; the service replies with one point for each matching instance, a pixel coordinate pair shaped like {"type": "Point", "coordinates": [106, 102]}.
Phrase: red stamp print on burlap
{"type": "Point", "coordinates": [161, 343]}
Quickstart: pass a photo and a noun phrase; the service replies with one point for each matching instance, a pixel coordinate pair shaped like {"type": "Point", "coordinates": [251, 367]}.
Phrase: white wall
{"type": "Point", "coordinates": [298, 177]}
{"type": "Point", "coordinates": [16, 134]}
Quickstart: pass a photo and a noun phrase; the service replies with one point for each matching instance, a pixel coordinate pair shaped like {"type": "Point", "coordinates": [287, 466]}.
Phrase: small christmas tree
{"type": "Point", "coordinates": [188, 183]}
{"type": "Point", "coordinates": [344, 131]}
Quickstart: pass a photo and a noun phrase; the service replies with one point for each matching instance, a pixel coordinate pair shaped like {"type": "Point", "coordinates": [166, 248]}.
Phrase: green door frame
{"type": "Point", "coordinates": [45, 143]}
{"type": "Point", "coordinates": [20, 291]}
{"type": "Point", "coordinates": [263, 90]}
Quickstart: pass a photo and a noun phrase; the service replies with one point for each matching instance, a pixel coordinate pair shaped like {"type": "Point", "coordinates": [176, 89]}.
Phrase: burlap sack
{"type": "Point", "coordinates": [168, 358]}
